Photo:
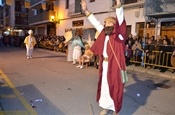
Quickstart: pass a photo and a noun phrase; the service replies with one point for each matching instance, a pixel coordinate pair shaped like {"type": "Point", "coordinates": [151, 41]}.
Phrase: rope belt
{"type": "Point", "coordinates": [105, 59]}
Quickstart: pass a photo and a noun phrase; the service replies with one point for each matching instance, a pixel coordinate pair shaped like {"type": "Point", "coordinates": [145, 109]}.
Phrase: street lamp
{"type": "Point", "coordinates": [55, 20]}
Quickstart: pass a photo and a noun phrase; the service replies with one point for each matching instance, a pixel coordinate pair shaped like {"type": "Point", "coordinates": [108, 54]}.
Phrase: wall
{"type": "Point", "coordinates": [132, 17]}
{"type": "Point", "coordinates": [103, 5]}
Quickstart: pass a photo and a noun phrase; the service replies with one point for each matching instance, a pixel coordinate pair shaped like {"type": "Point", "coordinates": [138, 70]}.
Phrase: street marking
{"type": "Point", "coordinates": [7, 96]}
{"type": "Point", "coordinates": [14, 113]}
{"type": "Point", "coordinates": [28, 107]}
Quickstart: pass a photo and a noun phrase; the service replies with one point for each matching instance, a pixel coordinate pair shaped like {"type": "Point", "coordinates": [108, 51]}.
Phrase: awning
{"type": "Point", "coordinates": [162, 15]}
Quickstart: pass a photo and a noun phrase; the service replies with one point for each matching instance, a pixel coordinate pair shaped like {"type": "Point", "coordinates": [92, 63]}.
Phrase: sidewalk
{"type": "Point", "coordinates": [152, 71]}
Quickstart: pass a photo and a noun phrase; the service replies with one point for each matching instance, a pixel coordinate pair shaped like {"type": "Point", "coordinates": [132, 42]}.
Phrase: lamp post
{"type": "Point", "coordinates": [55, 20]}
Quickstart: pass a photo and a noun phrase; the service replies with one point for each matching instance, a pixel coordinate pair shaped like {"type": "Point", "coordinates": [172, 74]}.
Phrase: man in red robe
{"type": "Point", "coordinates": [110, 86]}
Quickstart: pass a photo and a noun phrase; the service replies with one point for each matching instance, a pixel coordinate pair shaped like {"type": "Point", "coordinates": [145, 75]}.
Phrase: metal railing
{"type": "Point", "coordinates": [159, 6]}
{"type": "Point", "coordinates": [156, 58]}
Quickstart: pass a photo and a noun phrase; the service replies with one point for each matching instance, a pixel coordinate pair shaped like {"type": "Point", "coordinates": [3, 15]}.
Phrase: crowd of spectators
{"type": "Point", "coordinates": [138, 48]}
{"type": "Point", "coordinates": [18, 41]}
{"type": "Point", "coordinates": [12, 41]}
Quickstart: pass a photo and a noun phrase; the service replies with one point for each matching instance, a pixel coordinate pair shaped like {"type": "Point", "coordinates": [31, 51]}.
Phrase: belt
{"type": "Point", "coordinates": [105, 58]}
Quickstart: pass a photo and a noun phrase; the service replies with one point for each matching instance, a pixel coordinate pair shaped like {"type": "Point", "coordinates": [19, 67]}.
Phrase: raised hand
{"type": "Point", "coordinates": [118, 2]}
{"type": "Point", "coordinates": [83, 5]}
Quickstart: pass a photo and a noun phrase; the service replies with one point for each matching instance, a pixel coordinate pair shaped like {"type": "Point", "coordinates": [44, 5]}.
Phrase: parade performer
{"type": "Point", "coordinates": [77, 45]}
{"type": "Point", "coordinates": [30, 42]}
{"type": "Point", "coordinates": [85, 57]}
{"type": "Point", "coordinates": [113, 33]}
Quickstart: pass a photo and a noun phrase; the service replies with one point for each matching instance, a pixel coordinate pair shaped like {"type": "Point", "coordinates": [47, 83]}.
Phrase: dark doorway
{"type": "Point", "coordinates": [128, 30]}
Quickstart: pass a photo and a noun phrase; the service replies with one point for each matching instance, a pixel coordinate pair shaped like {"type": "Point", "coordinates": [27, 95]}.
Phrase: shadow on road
{"type": "Point", "coordinates": [136, 94]}
{"type": "Point", "coordinates": [38, 101]}
{"type": "Point", "coordinates": [48, 56]}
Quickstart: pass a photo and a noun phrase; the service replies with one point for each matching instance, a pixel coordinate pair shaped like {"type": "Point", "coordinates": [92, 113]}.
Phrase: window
{"type": "Point", "coordinates": [92, 0]}
{"type": "Point", "coordinates": [67, 4]}
{"type": "Point", "coordinates": [129, 1]}
{"type": "Point", "coordinates": [77, 23]}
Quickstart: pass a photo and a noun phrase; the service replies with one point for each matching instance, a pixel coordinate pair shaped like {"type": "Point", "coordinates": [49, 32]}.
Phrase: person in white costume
{"type": "Point", "coordinates": [77, 45]}
{"type": "Point", "coordinates": [30, 42]}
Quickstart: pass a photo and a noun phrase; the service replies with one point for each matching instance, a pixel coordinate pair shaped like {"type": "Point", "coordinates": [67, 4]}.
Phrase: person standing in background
{"type": "Point", "coordinates": [1, 37]}
{"type": "Point", "coordinates": [77, 45]}
{"type": "Point", "coordinates": [30, 42]}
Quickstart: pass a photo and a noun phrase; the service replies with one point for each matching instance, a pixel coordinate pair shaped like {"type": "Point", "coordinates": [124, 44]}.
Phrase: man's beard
{"type": "Point", "coordinates": [108, 30]}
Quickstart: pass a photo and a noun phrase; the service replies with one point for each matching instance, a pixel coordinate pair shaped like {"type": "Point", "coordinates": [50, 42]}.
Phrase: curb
{"type": "Point", "coordinates": [152, 72]}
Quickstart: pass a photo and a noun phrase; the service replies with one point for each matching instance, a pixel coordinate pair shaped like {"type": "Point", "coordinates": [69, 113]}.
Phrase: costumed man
{"type": "Point", "coordinates": [77, 45]}
{"type": "Point", "coordinates": [30, 42]}
{"type": "Point", "coordinates": [113, 33]}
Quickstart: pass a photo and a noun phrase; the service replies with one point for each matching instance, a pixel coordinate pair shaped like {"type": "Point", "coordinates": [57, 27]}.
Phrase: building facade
{"type": "Point", "coordinates": [58, 16]}
{"type": "Point", "coordinates": [161, 13]}
{"type": "Point", "coordinates": [13, 17]}
{"type": "Point", "coordinates": [136, 14]}
{"type": "Point", "coordinates": [71, 16]}
{"type": "Point", "coordinates": [40, 15]}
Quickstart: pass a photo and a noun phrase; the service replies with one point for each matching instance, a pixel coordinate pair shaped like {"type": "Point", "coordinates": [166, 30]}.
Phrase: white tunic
{"type": "Point", "coordinates": [76, 51]}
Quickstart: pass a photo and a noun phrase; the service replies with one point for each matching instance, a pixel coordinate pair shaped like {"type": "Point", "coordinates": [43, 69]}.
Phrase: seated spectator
{"type": "Point", "coordinates": [152, 38]}
{"type": "Point", "coordinates": [164, 57]}
{"type": "Point", "coordinates": [85, 57]}
{"type": "Point", "coordinates": [158, 42]}
{"type": "Point", "coordinates": [137, 51]}
{"type": "Point", "coordinates": [148, 50]}
{"type": "Point", "coordinates": [130, 40]}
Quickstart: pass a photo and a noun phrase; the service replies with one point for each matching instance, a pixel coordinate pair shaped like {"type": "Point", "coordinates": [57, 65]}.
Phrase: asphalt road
{"type": "Point", "coordinates": [53, 86]}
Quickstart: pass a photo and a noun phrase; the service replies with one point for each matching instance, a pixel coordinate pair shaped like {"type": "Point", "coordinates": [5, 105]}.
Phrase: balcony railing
{"type": "Point", "coordinates": [163, 8]}
{"type": "Point", "coordinates": [42, 17]}
{"type": "Point", "coordinates": [22, 9]}
{"type": "Point", "coordinates": [33, 2]}
{"type": "Point", "coordinates": [133, 3]}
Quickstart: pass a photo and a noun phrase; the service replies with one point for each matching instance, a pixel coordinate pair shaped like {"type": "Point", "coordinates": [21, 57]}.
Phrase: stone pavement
{"type": "Point", "coordinates": [74, 93]}
{"type": "Point", "coordinates": [10, 96]}
{"type": "Point", "coordinates": [167, 74]}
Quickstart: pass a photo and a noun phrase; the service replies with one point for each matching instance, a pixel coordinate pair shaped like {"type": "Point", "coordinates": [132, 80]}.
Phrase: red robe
{"type": "Point", "coordinates": [113, 74]}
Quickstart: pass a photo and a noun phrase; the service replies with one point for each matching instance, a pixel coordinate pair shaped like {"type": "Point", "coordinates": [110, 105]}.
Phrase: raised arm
{"type": "Point", "coordinates": [121, 20]}
{"type": "Point", "coordinates": [119, 11]}
{"type": "Point", "coordinates": [91, 17]}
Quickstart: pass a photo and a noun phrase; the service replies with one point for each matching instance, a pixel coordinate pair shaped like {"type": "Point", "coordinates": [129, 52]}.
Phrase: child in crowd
{"type": "Point", "coordinates": [85, 57]}
{"type": "Point", "coordinates": [127, 54]}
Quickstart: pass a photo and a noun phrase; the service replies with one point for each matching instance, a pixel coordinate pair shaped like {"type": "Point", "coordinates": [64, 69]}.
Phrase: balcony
{"type": "Point", "coordinates": [133, 4]}
{"type": "Point", "coordinates": [160, 8]}
{"type": "Point", "coordinates": [75, 10]}
{"type": "Point", "coordinates": [41, 18]}
{"type": "Point", "coordinates": [21, 9]}
{"type": "Point", "coordinates": [36, 2]}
